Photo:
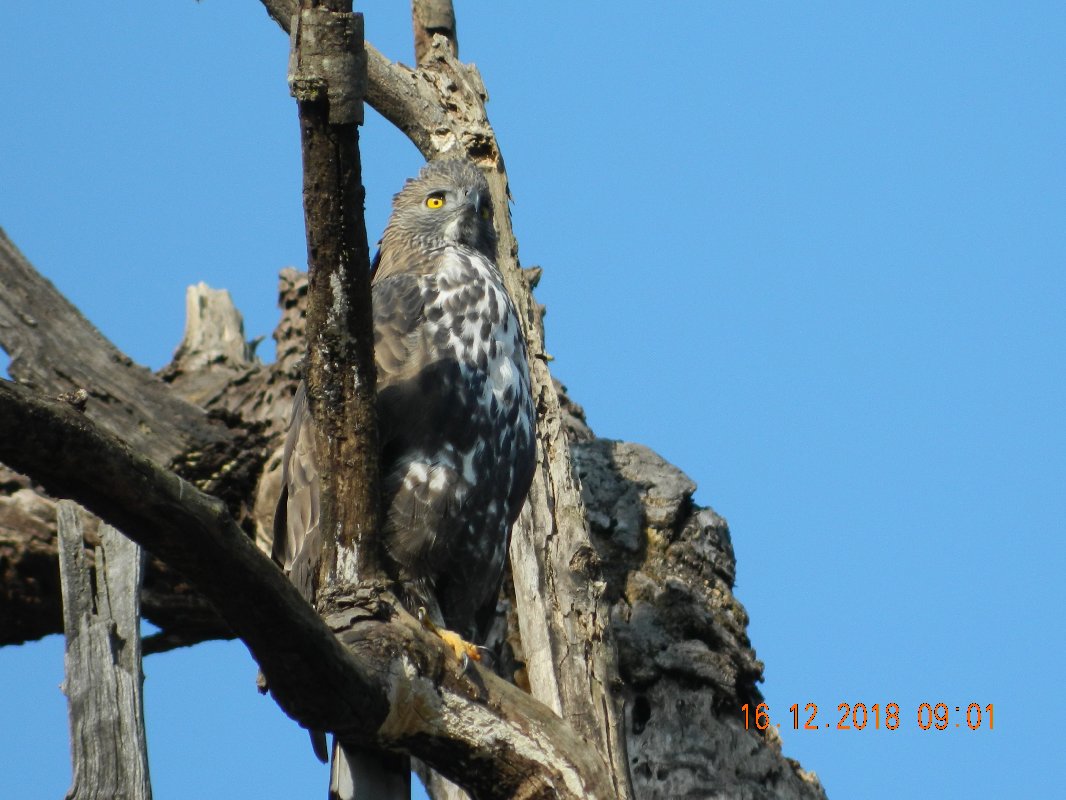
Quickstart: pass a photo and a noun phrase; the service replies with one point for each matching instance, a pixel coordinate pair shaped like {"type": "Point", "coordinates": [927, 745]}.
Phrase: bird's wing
{"type": "Point", "coordinates": [398, 316]}
{"type": "Point", "coordinates": [296, 521]}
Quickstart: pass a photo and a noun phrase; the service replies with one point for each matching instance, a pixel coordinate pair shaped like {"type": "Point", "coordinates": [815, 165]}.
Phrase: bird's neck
{"type": "Point", "coordinates": [401, 253]}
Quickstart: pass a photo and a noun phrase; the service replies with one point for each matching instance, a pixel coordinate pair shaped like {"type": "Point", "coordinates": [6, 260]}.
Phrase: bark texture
{"type": "Point", "coordinates": [103, 681]}
{"type": "Point", "coordinates": [54, 349]}
{"type": "Point", "coordinates": [326, 69]}
{"type": "Point", "coordinates": [687, 664]}
{"type": "Point", "coordinates": [252, 400]}
{"type": "Point", "coordinates": [431, 18]}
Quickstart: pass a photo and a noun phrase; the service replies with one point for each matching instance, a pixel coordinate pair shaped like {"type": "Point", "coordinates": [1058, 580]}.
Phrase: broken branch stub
{"type": "Point", "coordinates": [327, 62]}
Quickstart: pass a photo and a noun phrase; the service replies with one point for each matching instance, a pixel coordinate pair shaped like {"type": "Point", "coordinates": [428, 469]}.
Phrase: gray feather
{"type": "Point", "coordinates": [454, 407]}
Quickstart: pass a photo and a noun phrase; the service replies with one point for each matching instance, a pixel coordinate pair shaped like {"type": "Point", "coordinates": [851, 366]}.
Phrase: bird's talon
{"type": "Point", "coordinates": [464, 651]}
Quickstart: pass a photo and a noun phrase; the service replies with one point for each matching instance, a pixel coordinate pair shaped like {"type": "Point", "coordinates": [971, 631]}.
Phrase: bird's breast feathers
{"type": "Point", "coordinates": [462, 452]}
{"type": "Point", "coordinates": [471, 319]}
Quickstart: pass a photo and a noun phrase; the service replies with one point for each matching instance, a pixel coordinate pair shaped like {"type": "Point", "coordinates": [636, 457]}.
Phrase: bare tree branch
{"type": "Point", "coordinates": [381, 680]}
{"type": "Point", "coordinates": [207, 370]}
{"type": "Point", "coordinates": [395, 92]}
{"type": "Point", "coordinates": [55, 349]}
{"type": "Point", "coordinates": [326, 70]}
{"type": "Point", "coordinates": [433, 18]}
{"type": "Point", "coordinates": [327, 76]}
{"type": "Point", "coordinates": [213, 348]}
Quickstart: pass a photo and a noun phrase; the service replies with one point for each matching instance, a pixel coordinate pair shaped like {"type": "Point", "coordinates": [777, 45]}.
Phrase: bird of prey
{"type": "Point", "coordinates": [455, 410]}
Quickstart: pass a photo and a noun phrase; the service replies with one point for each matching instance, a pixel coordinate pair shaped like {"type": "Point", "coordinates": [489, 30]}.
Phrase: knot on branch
{"type": "Point", "coordinates": [343, 605]}
{"type": "Point", "coordinates": [327, 61]}
{"type": "Point", "coordinates": [78, 399]}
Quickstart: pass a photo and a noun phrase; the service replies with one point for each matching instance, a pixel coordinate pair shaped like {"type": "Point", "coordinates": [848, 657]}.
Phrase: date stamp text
{"type": "Point", "coordinates": [860, 716]}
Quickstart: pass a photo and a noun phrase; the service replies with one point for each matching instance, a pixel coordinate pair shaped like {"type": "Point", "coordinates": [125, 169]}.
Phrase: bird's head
{"type": "Point", "coordinates": [448, 203]}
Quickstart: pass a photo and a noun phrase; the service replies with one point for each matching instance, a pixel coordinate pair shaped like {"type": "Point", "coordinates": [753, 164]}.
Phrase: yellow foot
{"type": "Point", "coordinates": [464, 650]}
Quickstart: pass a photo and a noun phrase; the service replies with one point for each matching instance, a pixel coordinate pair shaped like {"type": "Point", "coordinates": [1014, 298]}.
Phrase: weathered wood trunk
{"type": "Point", "coordinates": [103, 683]}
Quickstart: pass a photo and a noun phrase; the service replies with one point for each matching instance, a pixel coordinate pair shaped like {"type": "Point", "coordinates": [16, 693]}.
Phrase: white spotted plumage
{"type": "Point", "coordinates": [455, 416]}
{"type": "Point", "coordinates": [454, 405]}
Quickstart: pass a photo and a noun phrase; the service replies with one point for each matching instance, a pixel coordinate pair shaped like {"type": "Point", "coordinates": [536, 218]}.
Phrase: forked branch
{"type": "Point", "coordinates": [389, 684]}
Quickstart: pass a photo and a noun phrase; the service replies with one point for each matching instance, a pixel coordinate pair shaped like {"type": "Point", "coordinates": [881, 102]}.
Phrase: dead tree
{"type": "Point", "coordinates": [628, 649]}
{"type": "Point", "coordinates": [103, 662]}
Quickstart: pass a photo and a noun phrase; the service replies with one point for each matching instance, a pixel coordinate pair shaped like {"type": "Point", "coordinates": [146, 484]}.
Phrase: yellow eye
{"type": "Point", "coordinates": [435, 201]}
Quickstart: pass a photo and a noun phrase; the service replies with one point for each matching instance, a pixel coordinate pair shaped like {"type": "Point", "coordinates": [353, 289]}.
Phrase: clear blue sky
{"type": "Point", "coordinates": [814, 254]}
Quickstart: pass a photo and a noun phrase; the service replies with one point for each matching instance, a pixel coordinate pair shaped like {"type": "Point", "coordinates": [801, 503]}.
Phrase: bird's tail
{"type": "Point", "coordinates": [368, 775]}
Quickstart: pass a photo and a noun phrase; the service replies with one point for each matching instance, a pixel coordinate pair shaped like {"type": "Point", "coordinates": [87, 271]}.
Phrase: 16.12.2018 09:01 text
{"type": "Point", "coordinates": [859, 716]}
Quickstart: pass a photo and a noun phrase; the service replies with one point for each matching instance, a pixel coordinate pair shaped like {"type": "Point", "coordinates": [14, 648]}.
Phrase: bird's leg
{"type": "Point", "coordinates": [464, 651]}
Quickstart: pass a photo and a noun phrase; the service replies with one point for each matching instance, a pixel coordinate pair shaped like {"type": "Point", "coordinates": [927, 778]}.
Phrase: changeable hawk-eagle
{"type": "Point", "coordinates": [454, 406]}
